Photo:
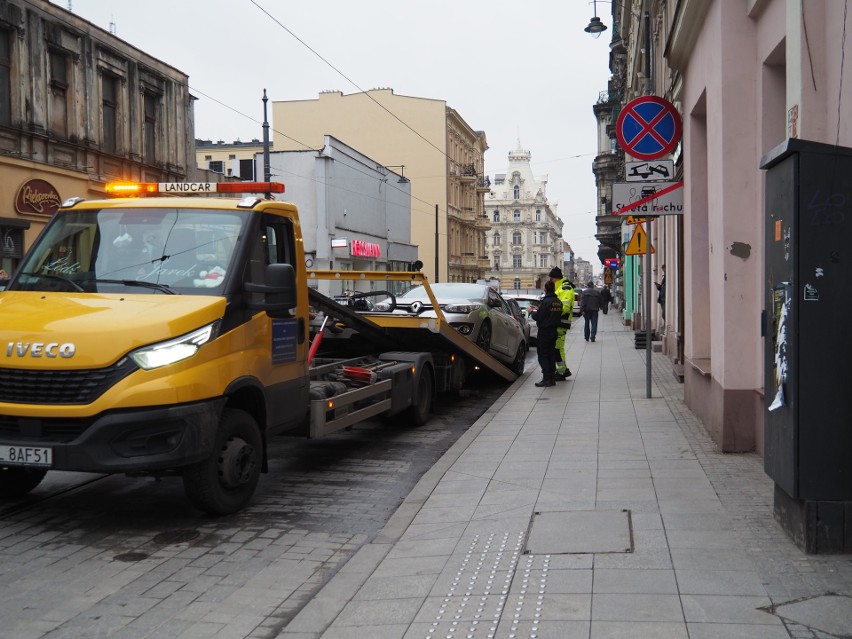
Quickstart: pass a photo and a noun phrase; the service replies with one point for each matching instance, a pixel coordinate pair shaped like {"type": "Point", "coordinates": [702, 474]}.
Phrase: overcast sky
{"type": "Point", "coordinates": [520, 71]}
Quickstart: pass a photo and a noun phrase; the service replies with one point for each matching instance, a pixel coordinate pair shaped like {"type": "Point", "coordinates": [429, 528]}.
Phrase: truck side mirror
{"type": "Point", "coordinates": [278, 289]}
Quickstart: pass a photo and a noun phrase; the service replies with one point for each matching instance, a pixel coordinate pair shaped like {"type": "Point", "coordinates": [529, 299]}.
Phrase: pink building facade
{"type": "Point", "coordinates": [745, 76]}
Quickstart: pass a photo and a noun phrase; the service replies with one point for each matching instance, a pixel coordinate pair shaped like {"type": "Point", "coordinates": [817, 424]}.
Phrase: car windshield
{"type": "Point", "coordinates": [448, 290]}
{"type": "Point", "coordinates": [133, 251]}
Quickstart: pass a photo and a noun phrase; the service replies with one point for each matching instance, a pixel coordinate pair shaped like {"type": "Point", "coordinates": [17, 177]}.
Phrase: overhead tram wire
{"type": "Point", "coordinates": [310, 148]}
{"type": "Point", "coordinates": [352, 82]}
{"type": "Point", "coordinates": [430, 206]}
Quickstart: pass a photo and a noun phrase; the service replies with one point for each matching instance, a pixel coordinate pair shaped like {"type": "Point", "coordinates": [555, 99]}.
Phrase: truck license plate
{"type": "Point", "coordinates": [26, 456]}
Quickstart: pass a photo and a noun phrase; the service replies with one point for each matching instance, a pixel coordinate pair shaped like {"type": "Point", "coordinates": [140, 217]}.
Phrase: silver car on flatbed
{"type": "Point", "coordinates": [477, 311]}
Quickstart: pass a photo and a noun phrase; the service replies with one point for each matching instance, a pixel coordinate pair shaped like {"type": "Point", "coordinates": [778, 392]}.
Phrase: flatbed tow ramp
{"type": "Point", "coordinates": [404, 331]}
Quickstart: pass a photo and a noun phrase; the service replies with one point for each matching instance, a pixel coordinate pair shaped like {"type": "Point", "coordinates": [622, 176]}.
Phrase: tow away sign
{"type": "Point", "coordinates": [649, 171]}
{"type": "Point", "coordinates": [647, 198]}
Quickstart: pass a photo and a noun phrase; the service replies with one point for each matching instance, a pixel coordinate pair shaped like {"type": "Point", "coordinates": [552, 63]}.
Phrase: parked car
{"type": "Point", "coordinates": [577, 293]}
{"type": "Point", "coordinates": [518, 314]}
{"type": "Point", "coordinates": [477, 311]}
{"type": "Point", "coordinates": [525, 301]}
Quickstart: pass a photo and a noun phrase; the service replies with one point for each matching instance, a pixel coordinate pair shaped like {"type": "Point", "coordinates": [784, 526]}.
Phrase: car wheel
{"type": "Point", "coordinates": [520, 359]}
{"type": "Point", "coordinates": [483, 339]}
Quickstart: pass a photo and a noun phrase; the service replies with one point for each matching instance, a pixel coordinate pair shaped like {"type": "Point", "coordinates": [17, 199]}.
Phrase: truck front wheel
{"type": "Point", "coordinates": [225, 482]}
{"type": "Point", "coordinates": [17, 482]}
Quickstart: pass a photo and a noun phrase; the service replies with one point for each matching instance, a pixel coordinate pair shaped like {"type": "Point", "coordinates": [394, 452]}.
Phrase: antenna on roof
{"type": "Point", "coordinates": [112, 25]}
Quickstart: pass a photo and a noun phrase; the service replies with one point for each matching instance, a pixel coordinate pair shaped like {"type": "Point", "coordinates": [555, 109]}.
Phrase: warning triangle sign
{"type": "Point", "coordinates": [637, 245]}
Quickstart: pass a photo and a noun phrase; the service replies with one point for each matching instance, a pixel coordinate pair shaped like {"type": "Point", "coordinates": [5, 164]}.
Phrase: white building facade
{"type": "Point", "coordinates": [354, 213]}
{"type": "Point", "coordinates": [525, 238]}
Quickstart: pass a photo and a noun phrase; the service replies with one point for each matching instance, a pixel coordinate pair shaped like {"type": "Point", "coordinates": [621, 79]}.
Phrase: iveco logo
{"type": "Point", "coordinates": [40, 349]}
{"type": "Point", "coordinates": [415, 307]}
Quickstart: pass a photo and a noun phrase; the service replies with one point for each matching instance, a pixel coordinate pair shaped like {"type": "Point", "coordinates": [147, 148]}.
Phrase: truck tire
{"type": "Point", "coordinates": [17, 482]}
{"type": "Point", "coordinates": [420, 412]}
{"type": "Point", "coordinates": [225, 482]}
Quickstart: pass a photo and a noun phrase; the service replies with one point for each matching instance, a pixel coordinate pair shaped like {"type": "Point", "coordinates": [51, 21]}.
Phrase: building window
{"type": "Point", "coordinates": [58, 93]}
{"type": "Point", "coordinates": [217, 166]}
{"type": "Point", "coordinates": [5, 78]}
{"type": "Point", "coordinates": [151, 105]}
{"type": "Point", "coordinates": [247, 169]}
{"type": "Point", "coordinates": [516, 215]}
{"type": "Point", "coordinates": [517, 192]}
{"type": "Point", "coordinates": [516, 261]}
{"type": "Point", "coordinates": [109, 89]}
{"type": "Point", "coordinates": [496, 215]}
{"type": "Point", "coordinates": [516, 238]}
{"type": "Point", "coordinates": [208, 157]}
{"type": "Point", "coordinates": [538, 215]}
{"type": "Point", "coordinates": [232, 157]}
{"type": "Point", "coordinates": [517, 282]}
{"type": "Point", "coordinates": [496, 263]}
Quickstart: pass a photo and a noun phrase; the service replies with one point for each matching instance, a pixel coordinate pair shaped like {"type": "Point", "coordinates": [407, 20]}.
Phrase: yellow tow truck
{"type": "Point", "coordinates": [162, 335]}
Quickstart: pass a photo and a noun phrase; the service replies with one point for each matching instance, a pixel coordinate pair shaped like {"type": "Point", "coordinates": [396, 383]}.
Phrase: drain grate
{"type": "Point", "coordinates": [131, 556]}
{"type": "Point", "coordinates": [176, 537]}
{"type": "Point", "coordinates": [580, 531]}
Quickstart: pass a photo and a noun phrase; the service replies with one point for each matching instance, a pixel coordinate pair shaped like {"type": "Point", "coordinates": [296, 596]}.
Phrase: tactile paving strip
{"type": "Point", "coordinates": [477, 601]}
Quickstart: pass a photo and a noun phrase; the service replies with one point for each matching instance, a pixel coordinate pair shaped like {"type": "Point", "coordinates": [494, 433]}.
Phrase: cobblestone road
{"type": "Point", "coordinates": [128, 558]}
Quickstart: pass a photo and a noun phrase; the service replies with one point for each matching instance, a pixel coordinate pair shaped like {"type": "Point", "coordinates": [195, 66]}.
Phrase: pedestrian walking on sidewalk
{"type": "Point", "coordinates": [547, 315]}
{"type": "Point", "coordinates": [565, 292]}
{"type": "Point", "coordinates": [606, 298]}
{"type": "Point", "coordinates": [661, 294]}
{"type": "Point", "coordinates": [590, 304]}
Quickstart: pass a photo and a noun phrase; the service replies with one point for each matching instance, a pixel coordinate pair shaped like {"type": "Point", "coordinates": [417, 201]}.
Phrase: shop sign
{"type": "Point", "coordinates": [37, 197]}
{"type": "Point", "coordinates": [360, 248]}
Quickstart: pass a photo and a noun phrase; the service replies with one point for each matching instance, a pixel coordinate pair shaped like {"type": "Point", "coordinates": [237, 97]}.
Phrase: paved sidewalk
{"type": "Point", "coordinates": [586, 510]}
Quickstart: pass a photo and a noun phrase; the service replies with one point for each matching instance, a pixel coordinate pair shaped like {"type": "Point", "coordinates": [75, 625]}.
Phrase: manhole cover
{"type": "Point", "coordinates": [131, 556]}
{"type": "Point", "coordinates": [580, 531]}
{"type": "Point", "coordinates": [176, 537]}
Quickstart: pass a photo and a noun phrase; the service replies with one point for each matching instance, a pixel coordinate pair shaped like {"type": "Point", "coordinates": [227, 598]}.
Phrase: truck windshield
{"type": "Point", "coordinates": [134, 250]}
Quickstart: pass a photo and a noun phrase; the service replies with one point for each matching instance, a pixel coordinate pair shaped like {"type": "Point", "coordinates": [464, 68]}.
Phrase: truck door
{"type": "Point", "coordinates": [280, 344]}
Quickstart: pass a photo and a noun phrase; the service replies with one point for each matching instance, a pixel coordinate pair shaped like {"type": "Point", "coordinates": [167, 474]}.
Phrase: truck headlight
{"type": "Point", "coordinates": [173, 350]}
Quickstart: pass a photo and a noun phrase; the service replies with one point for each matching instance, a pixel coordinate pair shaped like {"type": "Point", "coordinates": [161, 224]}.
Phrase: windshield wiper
{"type": "Point", "coordinates": [159, 287]}
{"type": "Point", "coordinates": [61, 278]}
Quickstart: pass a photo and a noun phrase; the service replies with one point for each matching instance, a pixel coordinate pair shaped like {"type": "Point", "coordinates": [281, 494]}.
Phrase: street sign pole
{"type": "Point", "coordinates": [648, 349]}
{"type": "Point", "coordinates": [648, 128]}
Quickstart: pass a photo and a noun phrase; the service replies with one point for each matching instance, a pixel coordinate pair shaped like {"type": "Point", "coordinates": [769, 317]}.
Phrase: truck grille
{"type": "Point", "coordinates": [43, 430]}
{"type": "Point", "coordinates": [18, 386]}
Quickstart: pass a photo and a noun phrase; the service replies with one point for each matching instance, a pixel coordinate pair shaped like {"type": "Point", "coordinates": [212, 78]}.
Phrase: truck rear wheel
{"type": "Point", "coordinates": [17, 482]}
{"type": "Point", "coordinates": [225, 482]}
{"type": "Point", "coordinates": [420, 412]}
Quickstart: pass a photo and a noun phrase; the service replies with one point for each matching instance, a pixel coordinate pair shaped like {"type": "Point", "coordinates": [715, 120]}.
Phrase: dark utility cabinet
{"type": "Point", "coordinates": [808, 345]}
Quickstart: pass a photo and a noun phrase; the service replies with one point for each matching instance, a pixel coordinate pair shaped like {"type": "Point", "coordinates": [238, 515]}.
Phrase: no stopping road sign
{"type": "Point", "coordinates": [648, 127]}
